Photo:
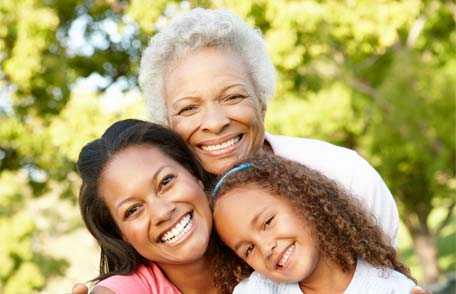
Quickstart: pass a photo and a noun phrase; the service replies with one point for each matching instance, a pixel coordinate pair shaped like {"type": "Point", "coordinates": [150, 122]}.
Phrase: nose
{"type": "Point", "coordinates": [267, 249]}
{"type": "Point", "coordinates": [215, 119]}
{"type": "Point", "coordinates": [161, 211]}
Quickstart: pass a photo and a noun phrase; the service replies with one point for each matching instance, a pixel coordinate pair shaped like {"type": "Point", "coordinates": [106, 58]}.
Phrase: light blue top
{"type": "Point", "coordinates": [367, 279]}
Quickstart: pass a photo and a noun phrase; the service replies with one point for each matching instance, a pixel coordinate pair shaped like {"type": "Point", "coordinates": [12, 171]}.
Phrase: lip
{"type": "Point", "coordinates": [158, 239]}
{"type": "Point", "coordinates": [223, 152]}
{"type": "Point", "coordinates": [279, 257]}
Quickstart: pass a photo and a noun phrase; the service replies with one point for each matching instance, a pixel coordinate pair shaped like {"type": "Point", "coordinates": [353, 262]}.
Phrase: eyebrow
{"type": "Point", "coordinates": [252, 223]}
{"type": "Point", "coordinates": [196, 97]}
{"type": "Point", "coordinates": [183, 98]}
{"type": "Point", "coordinates": [154, 179]}
{"type": "Point", "coordinates": [232, 86]}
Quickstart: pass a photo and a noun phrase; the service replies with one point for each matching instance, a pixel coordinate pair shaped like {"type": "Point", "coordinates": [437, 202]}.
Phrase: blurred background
{"type": "Point", "coordinates": [375, 76]}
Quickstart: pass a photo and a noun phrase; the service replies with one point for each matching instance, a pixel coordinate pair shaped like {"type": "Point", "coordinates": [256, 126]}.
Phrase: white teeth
{"type": "Point", "coordinates": [286, 255]}
{"type": "Point", "coordinates": [182, 227]}
{"type": "Point", "coordinates": [224, 145]}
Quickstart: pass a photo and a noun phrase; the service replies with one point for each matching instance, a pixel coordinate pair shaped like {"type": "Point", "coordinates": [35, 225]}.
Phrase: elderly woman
{"type": "Point", "coordinates": [208, 77]}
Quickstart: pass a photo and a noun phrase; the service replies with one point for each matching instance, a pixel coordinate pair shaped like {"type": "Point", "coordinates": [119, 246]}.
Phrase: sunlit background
{"type": "Point", "coordinates": [375, 76]}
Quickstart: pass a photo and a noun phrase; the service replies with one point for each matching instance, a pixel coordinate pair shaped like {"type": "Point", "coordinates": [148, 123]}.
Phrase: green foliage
{"type": "Point", "coordinates": [327, 115]}
{"type": "Point", "coordinates": [376, 76]}
{"type": "Point", "coordinates": [417, 113]}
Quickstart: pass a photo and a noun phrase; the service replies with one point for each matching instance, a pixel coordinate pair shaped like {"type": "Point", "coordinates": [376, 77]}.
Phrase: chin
{"type": "Point", "coordinates": [194, 255]}
{"type": "Point", "coordinates": [285, 279]}
{"type": "Point", "coordinates": [220, 168]}
{"type": "Point", "coordinates": [299, 273]}
{"type": "Point", "coordinates": [308, 272]}
{"type": "Point", "coordinates": [196, 251]}
{"type": "Point", "coordinates": [189, 252]}
{"type": "Point", "coordinates": [186, 257]}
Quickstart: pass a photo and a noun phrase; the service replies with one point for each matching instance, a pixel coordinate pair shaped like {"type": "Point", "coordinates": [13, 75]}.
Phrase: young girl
{"type": "Point", "coordinates": [300, 232]}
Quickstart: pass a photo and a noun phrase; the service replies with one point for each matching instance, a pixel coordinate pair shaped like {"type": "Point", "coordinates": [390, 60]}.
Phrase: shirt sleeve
{"type": "Point", "coordinates": [369, 187]}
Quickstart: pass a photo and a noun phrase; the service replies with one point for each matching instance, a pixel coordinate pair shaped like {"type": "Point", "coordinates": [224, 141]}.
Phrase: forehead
{"type": "Point", "coordinates": [235, 210]}
{"type": "Point", "coordinates": [132, 165]}
{"type": "Point", "coordinates": [136, 157]}
{"type": "Point", "coordinates": [190, 73]}
{"type": "Point", "coordinates": [240, 205]}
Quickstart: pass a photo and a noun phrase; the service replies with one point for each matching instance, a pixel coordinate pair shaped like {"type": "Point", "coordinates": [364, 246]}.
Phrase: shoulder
{"type": "Point", "coordinates": [121, 283]}
{"type": "Point", "coordinates": [335, 162]}
{"type": "Point", "coordinates": [381, 280]}
{"type": "Point", "coordinates": [286, 144]}
{"type": "Point", "coordinates": [257, 283]}
{"type": "Point", "coordinates": [145, 279]}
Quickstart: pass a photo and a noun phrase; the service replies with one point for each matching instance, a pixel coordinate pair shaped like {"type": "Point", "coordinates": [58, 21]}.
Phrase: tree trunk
{"type": "Point", "coordinates": [426, 250]}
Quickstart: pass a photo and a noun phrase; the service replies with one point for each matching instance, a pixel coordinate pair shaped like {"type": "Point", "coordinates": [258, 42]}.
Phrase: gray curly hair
{"type": "Point", "coordinates": [196, 29]}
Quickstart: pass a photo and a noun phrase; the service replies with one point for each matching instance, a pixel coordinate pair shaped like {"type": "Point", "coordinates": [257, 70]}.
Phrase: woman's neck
{"type": "Point", "coordinates": [327, 277]}
{"type": "Point", "coordinates": [195, 277]}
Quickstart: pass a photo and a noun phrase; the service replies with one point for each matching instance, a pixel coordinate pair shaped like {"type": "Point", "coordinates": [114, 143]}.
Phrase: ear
{"type": "Point", "coordinates": [201, 184]}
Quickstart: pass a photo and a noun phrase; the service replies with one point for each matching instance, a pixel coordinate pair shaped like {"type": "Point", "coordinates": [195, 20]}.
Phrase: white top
{"type": "Point", "coordinates": [367, 279]}
{"type": "Point", "coordinates": [348, 169]}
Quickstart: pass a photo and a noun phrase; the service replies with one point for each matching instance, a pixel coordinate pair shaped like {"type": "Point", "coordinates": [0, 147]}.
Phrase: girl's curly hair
{"type": "Point", "coordinates": [344, 231]}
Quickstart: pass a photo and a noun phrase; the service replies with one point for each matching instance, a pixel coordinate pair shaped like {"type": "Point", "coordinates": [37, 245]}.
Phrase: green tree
{"type": "Point", "coordinates": [376, 76]}
{"type": "Point", "coordinates": [44, 121]}
{"type": "Point", "coordinates": [411, 140]}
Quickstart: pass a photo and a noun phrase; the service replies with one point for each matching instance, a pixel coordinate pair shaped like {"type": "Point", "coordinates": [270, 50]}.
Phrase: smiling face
{"type": "Point", "coordinates": [266, 232]}
{"type": "Point", "coordinates": [159, 207]}
{"type": "Point", "coordinates": [212, 105]}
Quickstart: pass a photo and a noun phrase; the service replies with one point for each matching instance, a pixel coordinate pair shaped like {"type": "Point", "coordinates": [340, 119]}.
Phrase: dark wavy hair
{"type": "Point", "coordinates": [343, 230]}
{"type": "Point", "coordinates": [117, 256]}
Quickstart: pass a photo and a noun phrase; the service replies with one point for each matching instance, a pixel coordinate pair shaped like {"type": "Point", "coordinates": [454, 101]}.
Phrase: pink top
{"type": "Point", "coordinates": [145, 279]}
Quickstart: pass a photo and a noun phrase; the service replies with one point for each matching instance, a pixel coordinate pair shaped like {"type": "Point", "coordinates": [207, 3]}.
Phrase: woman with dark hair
{"type": "Point", "coordinates": [143, 199]}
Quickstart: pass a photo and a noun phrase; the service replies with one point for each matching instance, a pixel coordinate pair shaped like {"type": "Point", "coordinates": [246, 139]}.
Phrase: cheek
{"type": "Point", "coordinates": [196, 194]}
{"type": "Point", "coordinates": [184, 126]}
{"type": "Point", "coordinates": [219, 225]}
{"type": "Point", "coordinates": [135, 234]}
{"type": "Point", "coordinates": [246, 112]}
{"type": "Point", "coordinates": [223, 228]}
{"type": "Point", "coordinates": [199, 199]}
{"type": "Point", "coordinates": [257, 263]}
{"type": "Point", "coordinates": [253, 120]}
{"type": "Point", "coordinates": [309, 240]}
{"type": "Point", "coordinates": [206, 211]}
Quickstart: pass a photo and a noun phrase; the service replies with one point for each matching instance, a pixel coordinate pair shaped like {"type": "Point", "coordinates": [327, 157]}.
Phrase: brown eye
{"type": "Point", "coordinates": [249, 250]}
{"type": "Point", "coordinates": [233, 99]}
{"type": "Point", "coordinates": [188, 110]}
{"type": "Point", "coordinates": [166, 181]}
{"type": "Point", "coordinates": [132, 210]}
{"type": "Point", "coordinates": [268, 222]}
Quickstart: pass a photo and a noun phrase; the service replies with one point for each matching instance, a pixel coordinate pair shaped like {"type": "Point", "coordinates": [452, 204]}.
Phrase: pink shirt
{"type": "Point", "coordinates": [145, 279]}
